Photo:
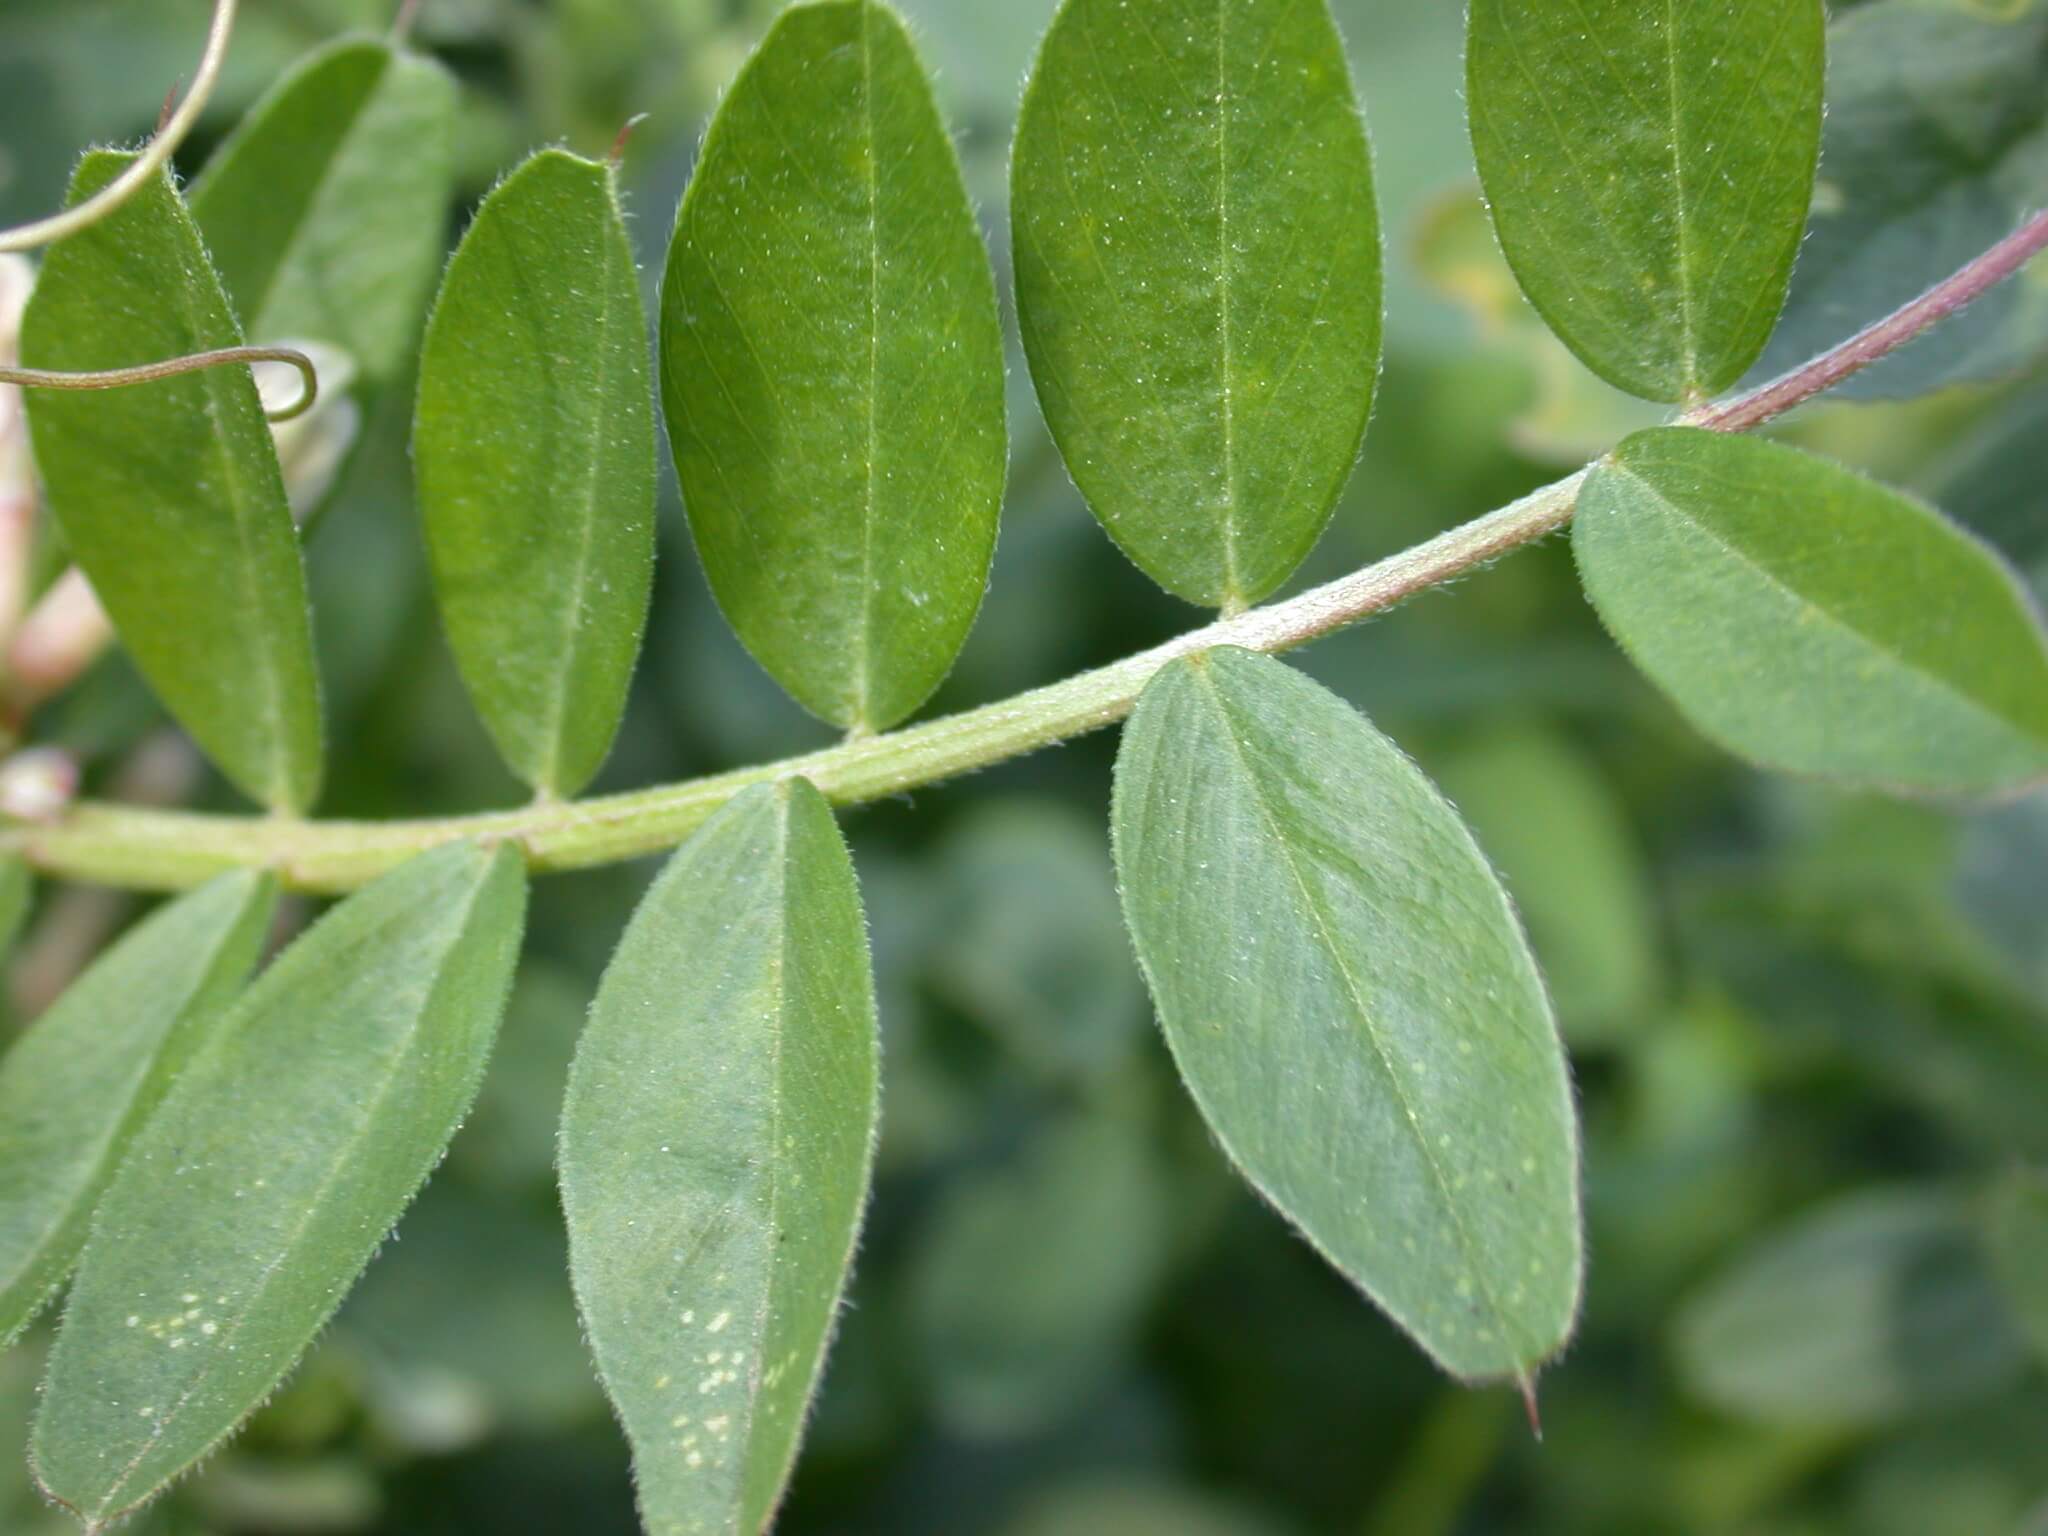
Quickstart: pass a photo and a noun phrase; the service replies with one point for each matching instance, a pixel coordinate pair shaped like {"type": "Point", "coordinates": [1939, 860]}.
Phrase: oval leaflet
{"type": "Point", "coordinates": [1352, 1004]}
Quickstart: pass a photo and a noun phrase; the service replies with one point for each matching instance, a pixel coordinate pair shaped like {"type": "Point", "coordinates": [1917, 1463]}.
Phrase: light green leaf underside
{"type": "Point", "coordinates": [1352, 1003]}
{"type": "Point", "coordinates": [1649, 164]}
{"type": "Point", "coordinates": [2016, 1231]}
{"type": "Point", "coordinates": [169, 494]}
{"type": "Point", "coordinates": [716, 1147]}
{"type": "Point", "coordinates": [1868, 1310]}
{"type": "Point", "coordinates": [534, 451]}
{"type": "Point", "coordinates": [1936, 147]}
{"type": "Point", "coordinates": [279, 1159]}
{"type": "Point", "coordinates": [1198, 278]}
{"type": "Point", "coordinates": [832, 368]}
{"type": "Point", "coordinates": [326, 210]}
{"type": "Point", "coordinates": [1813, 621]}
{"type": "Point", "coordinates": [80, 1082]}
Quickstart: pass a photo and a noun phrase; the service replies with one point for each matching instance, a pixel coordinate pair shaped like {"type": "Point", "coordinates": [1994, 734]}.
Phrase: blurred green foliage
{"type": "Point", "coordinates": [1068, 1318]}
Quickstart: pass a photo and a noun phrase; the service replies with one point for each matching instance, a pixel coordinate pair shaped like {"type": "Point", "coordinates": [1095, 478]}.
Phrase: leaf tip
{"type": "Point", "coordinates": [1526, 1385]}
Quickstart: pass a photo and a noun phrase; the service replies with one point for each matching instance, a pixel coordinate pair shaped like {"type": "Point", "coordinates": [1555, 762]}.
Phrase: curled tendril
{"type": "Point", "coordinates": [27, 237]}
{"type": "Point", "coordinates": [149, 373]}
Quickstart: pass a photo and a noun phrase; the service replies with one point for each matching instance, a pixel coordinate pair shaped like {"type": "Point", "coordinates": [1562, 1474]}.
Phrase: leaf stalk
{"type": "Point", "coordinates": [164, 850]}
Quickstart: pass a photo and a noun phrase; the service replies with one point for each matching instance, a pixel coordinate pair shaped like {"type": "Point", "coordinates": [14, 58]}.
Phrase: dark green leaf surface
{"type": "Point", "coordinates": [1936, 147]}
{"type": "Point", "coordinates": [279, 1159]}
{"type": "Point", "coordinates": [716, 1144]}
{"type": "Point", "coordinates": [832, 368]}
{"type": "Point", "coordinates": [326, 210]}
{"type": "Point", "coordinates": [1870, 1309]}
{"type": "Point", "coordinates": [169, 494]}
{"type": "Point", "coordinates": [534, 450]}
{"type": "Point", "coordinates": [1814, 621]}
{"type": "Point", "coordinates": [1198, 278]}
{"type": "Point", "coordinates": [2017, 1236]}
{"type": "Point", "coordinates": [1353, 1005]}
{"type": "Point", "coordinates": [1649, 167]}
{"type": "Point", "coordinates": [79, 1084]}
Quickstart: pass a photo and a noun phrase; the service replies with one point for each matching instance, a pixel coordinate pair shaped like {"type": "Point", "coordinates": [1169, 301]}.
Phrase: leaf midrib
{"type": "Point", "coordinates": [1321, 925]}
{"type": "Point", "coordinates": [1688, 324]}
{"type": "Point", "coordinates": [863, 681]}
{"type": "Point", "coordinates": [224, 1344]}
{"type": "Point", "coordinates": [571, 651]}
{"type": "Point", "coordinates": [298, 249]}
{"type": "Point", "coordinates": [215, 383]}
{"type": "Point", "coordinates": [1841, 625]}
{"type": "Point", "coordinates": [1233, 594]}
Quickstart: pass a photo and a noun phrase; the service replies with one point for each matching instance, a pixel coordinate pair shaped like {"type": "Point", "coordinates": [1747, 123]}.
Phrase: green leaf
{"type": "Point", "coordinates": [534, 448]}
{"type": "Point", "coordinates": [169, 494]}
{"type": "Point", "coordinates": [80, 1083]}
{"type": "Point", "coordinates": [326, 210]}
{"type": "Point", "coordinates": [1813, 621]}
{"type": "Point", "coordinates": [279, 1159]}
{"type": "Point", "coordinates": [1871, 1309]}
{"type": "Point", "coordinates": [1557, 836]}
{"type": "Point", "coordinates": [2017, 1237]}
{"type": "Point", "coordinates": [1936, 147]}
{"type": "Point", "coordinates": [717, 1138]}
{"type": "Point", "coordinates": [832, 368]}
{"type": "Point", "coordinates": [1198, 278]}
{"type": "Point", "coordinates": [1353, 1005]}
{"type": "Point", "coordinates": [1649, 168]}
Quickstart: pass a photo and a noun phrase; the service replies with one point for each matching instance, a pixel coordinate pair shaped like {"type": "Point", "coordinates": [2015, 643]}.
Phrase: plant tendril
{"type": "Point", "coordinates": [150, 373]}
{"type": "Point", "coordinates": [27, 237]}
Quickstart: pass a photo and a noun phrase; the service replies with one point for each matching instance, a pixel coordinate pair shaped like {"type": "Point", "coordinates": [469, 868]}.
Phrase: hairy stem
{"type": "Point", "coordinates": [28, 237]}
{"type": "Point", "coordinates": [116, 845]}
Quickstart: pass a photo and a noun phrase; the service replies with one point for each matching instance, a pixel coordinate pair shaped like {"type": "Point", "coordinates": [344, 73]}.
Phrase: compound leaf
{"type": "Point", "coordinates": [1649, 167]}
{"type": "Point", "coordinates": [325, 210]}
{"type": "Point", "coordinates": [1936, 147]}
{"type": "Point", "coordinates": [1814, 621]}
{"type": "Point", "coordinates": [282, 1155]}
{"type": "Point", "coordinates": [716, 1147]}
{"type": "Point", "coordinates": [1867, 1310]}
{"type": "Point", "coordinates": [169, 494]}
{"type": "Point", "coordinates": [1352, 1003]}
{"type": "Point", "coordinates": [534, 451]}
{"type": "Point", "coordinates": [832, 368]}
{"type": "Point", "coordinates": [1198, 278]}
{"type": "Point", "coordinates": [76, 1087]}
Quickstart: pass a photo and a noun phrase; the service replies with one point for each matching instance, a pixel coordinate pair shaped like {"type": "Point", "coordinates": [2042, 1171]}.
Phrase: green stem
{"type": "Point", "coordinates": [158, 850]}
